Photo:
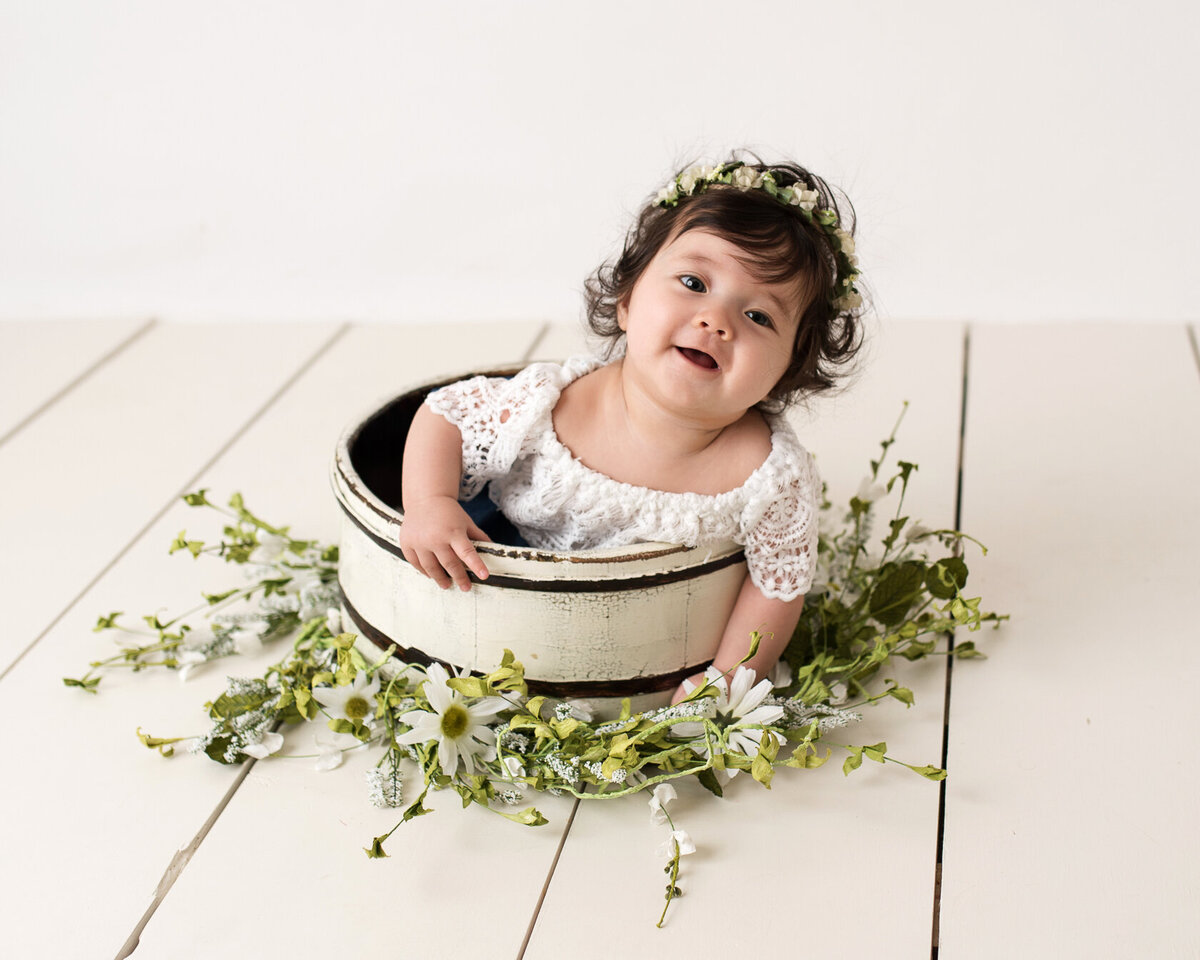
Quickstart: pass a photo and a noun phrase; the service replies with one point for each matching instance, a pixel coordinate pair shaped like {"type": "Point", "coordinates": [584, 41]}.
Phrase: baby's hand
{"type": "Point", "coordinates": [688, 685]}
{"type": "Point", "coordinates": [436, 539]}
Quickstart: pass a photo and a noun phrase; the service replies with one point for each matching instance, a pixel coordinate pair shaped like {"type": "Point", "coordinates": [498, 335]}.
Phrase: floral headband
{"type": "Point", "coordinates": [697, 179]}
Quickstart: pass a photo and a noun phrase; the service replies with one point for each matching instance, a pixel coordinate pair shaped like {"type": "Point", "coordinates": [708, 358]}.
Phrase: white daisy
{"type": "Point", "coordinates": [741, 702]}
{"type": "Point", "coordinates": [460, 729]}
{"type": "Point", "coordinates": [354, 702]}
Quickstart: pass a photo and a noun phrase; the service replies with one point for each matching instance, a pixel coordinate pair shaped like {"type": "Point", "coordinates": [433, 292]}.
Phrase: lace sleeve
{"type": "Point", "coordinates": [495, 416]}
{"type": "Point", "coordinates": [781, 549]}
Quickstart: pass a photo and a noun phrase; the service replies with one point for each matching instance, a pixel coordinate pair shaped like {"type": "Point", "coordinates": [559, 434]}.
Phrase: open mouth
{"type": "Point", "coordinates": [699, 358]}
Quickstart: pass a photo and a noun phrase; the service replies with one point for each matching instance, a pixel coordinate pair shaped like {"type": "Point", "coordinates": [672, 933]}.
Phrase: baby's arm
{"type": "Point", "coordinates": [773, 619]}
{"type": "Point", "coordinates": [436, 534]}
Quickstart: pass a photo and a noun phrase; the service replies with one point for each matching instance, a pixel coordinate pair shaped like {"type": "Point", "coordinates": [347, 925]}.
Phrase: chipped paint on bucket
{"type": "Point", "coordinates": [593, 625]}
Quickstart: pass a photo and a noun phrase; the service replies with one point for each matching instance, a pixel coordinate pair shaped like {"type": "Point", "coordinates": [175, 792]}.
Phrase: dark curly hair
{"type": "Point", "coordinates": [781, 245]}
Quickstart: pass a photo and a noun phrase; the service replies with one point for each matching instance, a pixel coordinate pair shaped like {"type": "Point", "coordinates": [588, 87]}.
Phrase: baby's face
{"type": "Point", "coordinates": [704, 334]}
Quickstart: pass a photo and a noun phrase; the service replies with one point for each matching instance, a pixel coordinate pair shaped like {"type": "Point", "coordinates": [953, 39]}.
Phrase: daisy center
{"type": "Point", "coordinates": [357, 708]}
{"type": "Point", "coordinates": [454, 721]}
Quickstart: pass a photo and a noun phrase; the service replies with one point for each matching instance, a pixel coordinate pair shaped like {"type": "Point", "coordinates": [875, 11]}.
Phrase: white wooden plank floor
{"type": "Point", "coordinates": [1069, 817]}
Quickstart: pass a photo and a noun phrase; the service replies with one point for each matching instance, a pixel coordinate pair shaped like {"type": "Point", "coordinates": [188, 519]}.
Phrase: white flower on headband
{"type": "Point", "coordinates": [847, 243]}
{"type": "Point", "coordinates": [804, 199]}
{"type": "Point", "coordinates": [696, 179]}
{"type": "Point", "coordinates": [692, 176]}
{"type": "Point", "coordinates": [667, 194]}
{"type": "Point", "coordinates": [744, 178]}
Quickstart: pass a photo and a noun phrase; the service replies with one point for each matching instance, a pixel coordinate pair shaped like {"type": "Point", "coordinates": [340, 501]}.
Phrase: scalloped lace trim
{"type": "Point", "coordinates": [558, 503]}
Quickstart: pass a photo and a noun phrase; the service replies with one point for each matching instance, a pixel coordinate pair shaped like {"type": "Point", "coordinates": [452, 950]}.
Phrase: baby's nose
{"type": "Point", "coordinates": [715, 323]}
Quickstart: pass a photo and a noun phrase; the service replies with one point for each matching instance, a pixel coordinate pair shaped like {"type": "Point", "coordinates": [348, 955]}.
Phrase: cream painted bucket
{"type": "Point", "coordinates": [595, 625]}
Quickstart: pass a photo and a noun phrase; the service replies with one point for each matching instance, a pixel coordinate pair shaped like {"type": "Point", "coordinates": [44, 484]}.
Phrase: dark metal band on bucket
{"type": "Point", "coordinates": [552, 688]}
{"type": "Point", "coordinates": [571, 586]}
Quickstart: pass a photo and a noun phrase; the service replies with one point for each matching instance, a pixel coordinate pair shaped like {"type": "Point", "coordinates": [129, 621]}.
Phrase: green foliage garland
{"type": "Point", "coordinates": [486, 739]}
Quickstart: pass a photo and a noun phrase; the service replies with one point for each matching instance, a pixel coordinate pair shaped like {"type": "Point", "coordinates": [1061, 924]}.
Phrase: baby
{"type": "Point", "coordinates": [734, 296]}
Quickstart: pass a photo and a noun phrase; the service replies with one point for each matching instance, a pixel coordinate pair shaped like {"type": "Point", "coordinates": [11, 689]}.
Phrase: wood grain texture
{"type": "Point", "coordinates": [1071, 817]}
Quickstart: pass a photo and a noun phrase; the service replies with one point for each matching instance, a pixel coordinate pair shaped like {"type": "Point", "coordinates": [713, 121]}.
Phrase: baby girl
{"type": "Point", "coordinates": [734, 296]}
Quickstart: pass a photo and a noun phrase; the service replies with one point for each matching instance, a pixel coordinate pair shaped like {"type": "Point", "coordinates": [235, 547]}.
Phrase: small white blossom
{"type": "Point", "coordinates": [667, 194]}
{"type": "Point", "coordinates": [333, 620]}
{"type": "Point", "coordinates": [692, 176]}
{"type": "Point", "coordinates": [269, 744]}
{"type": "Point", "coordinates": [330, 753]}
{"type": "Point", "coordinates": [804, 199]}
{"type": "Point", "coordinates": [781, 674]}
{"type": "Point", "coordinates": [869, 491]}
{"type": "Point", "coordinates": [916, 531]}
{"type": "Point", "coordinates": [848, 301]}
{"type": "Point", "coordinates": [246, 640]}
{"type": "Point", "coordinates": [664, 793]}
{"type": "Point", "coordinates": [745, 178]}
{"type": "Point", "coordinates": [188, 661]}
{"type": "Point", "coordinates": [269, 548]}
{"type": "Point", "coordinates": [667, 848]}
{"type": "Point", "coordinates": [281, 603]}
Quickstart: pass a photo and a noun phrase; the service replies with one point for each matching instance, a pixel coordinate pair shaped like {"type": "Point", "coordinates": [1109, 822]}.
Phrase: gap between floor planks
{"type": "Point", "coordinates": [75, 381]}
{"type": "Point", "coordinates": [191, 482]}
{"type": "Point", "coordinates": [182, 857]}
{"type": "Point", "coordinates": [945, 760]}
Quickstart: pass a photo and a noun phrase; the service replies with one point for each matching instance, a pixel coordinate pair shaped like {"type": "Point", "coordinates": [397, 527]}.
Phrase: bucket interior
{"type": "Point", "coordinates": [377, 448]}
{"type": "Point", "coordinates": [376, 452]}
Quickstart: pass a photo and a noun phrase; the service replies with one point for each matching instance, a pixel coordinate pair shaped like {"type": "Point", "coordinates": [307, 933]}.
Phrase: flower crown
{"type": "Point", "coordinates": [697, 179]}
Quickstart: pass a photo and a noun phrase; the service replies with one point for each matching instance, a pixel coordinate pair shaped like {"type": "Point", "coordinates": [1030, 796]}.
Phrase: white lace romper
{"type": "Point", "coordinates": [558, 503]}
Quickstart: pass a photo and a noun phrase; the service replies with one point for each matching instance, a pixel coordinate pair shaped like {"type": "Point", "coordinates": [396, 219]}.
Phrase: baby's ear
{"type": "Point", "coordinates": [623, 312]}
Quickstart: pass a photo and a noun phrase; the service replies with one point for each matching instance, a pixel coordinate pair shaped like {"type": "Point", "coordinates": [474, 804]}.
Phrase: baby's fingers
{"type": "Point", "coordinates": [475, 533]}
{"type": "Point", "coordinates": [430, 564]}
{"type": "Point", "coordinates": [451, 562]}
{"type": "Point", "coordinates": [466, 552]}
{"type": "Point", "coordinates": [410, 554]}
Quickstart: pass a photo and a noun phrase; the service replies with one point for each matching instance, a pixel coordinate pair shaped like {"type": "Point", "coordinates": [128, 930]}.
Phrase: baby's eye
{"type": "Point", "coordinates": [695, 284]}
{"type": "Point", "coordinates": [757, 316]}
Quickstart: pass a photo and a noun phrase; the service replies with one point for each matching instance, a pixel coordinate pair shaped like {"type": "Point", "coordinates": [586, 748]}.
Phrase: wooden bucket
{"type": "Point", "coordinates": [592, 625]}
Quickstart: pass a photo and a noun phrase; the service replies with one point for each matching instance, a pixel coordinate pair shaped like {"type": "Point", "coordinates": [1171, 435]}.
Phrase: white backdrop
{"type": "Point", "coordinates": [398, 161]}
